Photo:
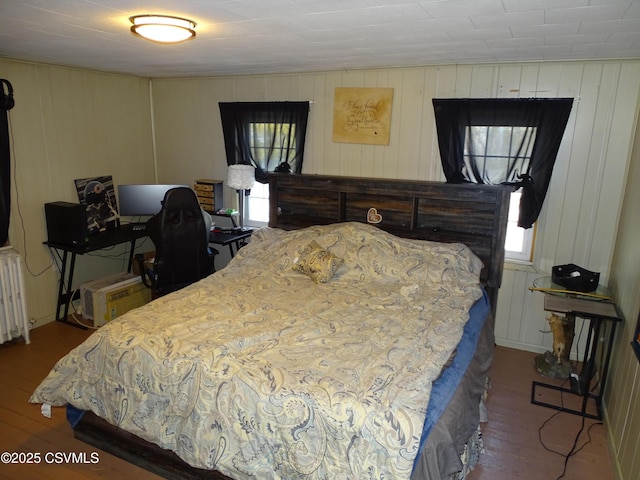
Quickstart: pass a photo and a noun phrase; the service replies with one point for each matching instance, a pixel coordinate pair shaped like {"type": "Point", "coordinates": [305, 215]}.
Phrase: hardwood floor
{"type": "Point", "coordinates": [24, 429]}
{"type": "Point", "coordinates": [512, 448]}
{"type": "Point", "coordinates": [511, 436]}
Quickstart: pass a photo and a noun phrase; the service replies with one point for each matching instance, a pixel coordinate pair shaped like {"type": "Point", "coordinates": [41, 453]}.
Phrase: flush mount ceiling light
{"type": "Point", "coordinates": [163, 28]}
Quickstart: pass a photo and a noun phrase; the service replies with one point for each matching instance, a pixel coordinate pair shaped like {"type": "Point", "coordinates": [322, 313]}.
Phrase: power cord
{"type": "Point", "coordinates": [18, 205]}
{"type": "Point", "coordinates": [77, 313]}
{"type": "Point", "coordinates": [574, 450]}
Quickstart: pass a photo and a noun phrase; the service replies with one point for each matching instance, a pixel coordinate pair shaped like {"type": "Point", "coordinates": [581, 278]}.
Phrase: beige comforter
{"type": "Point", "coordinates": [258, 372]}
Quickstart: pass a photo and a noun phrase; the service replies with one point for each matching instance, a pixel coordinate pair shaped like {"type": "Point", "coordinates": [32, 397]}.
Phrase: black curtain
{"type": "Point", "coordinates": [237, 118]}
{"type": "Point", "coordinates": [549, 118]}
{"type": "Point", "coordinates": [6, 104]}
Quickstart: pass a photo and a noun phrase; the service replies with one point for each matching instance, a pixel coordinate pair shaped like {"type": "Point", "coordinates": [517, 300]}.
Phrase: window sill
{"type": "Point", "coordinates": [255, 224]}
{"type": "Point", "coordinates": [520, 266]}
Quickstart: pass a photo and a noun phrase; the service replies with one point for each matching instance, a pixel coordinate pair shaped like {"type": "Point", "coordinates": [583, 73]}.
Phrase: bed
{"type": "Point", "coordinates": [349, 339]}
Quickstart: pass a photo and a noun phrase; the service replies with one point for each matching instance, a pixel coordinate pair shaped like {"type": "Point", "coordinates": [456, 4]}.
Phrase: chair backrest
{"type": "Point", "coordinates": [179, 234]}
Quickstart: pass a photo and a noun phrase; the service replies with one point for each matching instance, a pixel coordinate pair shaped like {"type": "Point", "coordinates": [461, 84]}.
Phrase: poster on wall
{"type": "Point", "coordinates": [362, 115]}
{"type": "Point", "coordinates": [98, 194]}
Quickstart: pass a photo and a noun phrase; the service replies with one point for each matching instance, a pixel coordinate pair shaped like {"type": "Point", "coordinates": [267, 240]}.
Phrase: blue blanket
{"type": "Point", "coordinates": [447, 383]}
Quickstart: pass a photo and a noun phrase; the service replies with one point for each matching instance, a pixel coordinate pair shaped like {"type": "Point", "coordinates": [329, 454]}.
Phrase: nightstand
{"type": "Point", "coordinates": [601, 315]}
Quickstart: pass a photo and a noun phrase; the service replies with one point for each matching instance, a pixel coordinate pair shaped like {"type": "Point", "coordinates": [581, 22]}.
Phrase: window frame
{"type": "Point", "coordinates": [241, 120]}
{"type": "Point", "coordinates": [525, 254]}
{"type": "Point", "coordinates": [549, 115]}
{"type": "Point", "coordinates": [482, 154]}
{"type": "Point", "coordinates": [256, 197]}
{"type": "Point", "coordinates": [236, 119]}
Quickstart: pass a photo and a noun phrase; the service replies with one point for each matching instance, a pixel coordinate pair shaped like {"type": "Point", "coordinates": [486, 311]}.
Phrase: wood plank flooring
{"type": "Point", "coordinates": [511, 436]}
{"type": "Point", "coordinates": [24, 429]}
{"type": "Point", "coordinates": [513, 450]}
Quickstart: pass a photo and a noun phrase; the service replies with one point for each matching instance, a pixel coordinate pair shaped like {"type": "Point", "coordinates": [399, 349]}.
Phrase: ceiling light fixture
{"type": "Point", "coordinates": [163, 28]}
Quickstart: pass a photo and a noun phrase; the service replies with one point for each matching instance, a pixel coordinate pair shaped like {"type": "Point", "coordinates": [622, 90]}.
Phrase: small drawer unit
{"type": "Point", "coordinates": [209, 194]}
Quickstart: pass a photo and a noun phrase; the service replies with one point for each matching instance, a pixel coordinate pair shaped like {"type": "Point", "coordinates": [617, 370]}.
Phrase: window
{"type": "Point", "coordinates": [258, 205]}
{"type": "Point", "coordinates": [508, 141]}
{"type": "Point", "coordinates": [518, 246]}
{"type": "Point", "coordinates": [270, 143]}
{"type": "Point", "coordinates": [493, 150]}
{"type": "Point", "coordinates": [497, 152]}
{"type": "Point", "coordinates": [268, 135]}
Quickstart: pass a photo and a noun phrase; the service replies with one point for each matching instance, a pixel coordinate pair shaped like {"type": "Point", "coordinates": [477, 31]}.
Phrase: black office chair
{"type": "Point", "coordinates": [181, 239]}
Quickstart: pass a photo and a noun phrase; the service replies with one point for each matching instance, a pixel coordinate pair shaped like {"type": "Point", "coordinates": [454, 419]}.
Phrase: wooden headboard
{"type": "Point", "coordinates": [475, 215]}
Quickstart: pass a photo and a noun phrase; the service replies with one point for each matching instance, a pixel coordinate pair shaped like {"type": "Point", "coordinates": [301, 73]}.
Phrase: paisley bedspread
{"type": "Point", "coordinates": [259, 372]}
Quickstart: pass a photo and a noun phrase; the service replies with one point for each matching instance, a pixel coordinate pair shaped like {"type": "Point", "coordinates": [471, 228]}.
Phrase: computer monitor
{"type": "Point", "coordinates": [141, 200]}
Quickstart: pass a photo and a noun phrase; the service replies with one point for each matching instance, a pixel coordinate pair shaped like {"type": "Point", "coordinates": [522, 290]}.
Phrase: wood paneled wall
{"type": "Point", "coordinates": [67, 124]}
{"type": "Point", "coordinates": [579, 221]}
{"type": "Point", "coordinates": [623, 391]}
{"type": "Point", "coordinates": [71, 123]}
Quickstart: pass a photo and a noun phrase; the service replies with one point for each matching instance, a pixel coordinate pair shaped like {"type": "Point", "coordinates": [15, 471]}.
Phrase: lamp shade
{"type": "Point", "coordinates": [163, 28]}
{"type": "Point", "coordinates": [241, 177]}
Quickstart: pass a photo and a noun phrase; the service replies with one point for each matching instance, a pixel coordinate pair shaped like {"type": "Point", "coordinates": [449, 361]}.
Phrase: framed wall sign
{"type": "Point", "coordinates": [362, 115]}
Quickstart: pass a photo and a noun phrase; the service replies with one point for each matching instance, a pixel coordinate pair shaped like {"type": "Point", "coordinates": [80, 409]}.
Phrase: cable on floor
{"type": "Point", "coordinates": [76, 315]}
{"type": "Point", "coordinates": [574, 450]}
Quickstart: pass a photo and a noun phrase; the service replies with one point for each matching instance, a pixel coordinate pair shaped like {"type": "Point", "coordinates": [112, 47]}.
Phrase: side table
{"type": "Point", "coordinates": [229, 237]}
{"type": "Point", "coordinates": [602, 315]}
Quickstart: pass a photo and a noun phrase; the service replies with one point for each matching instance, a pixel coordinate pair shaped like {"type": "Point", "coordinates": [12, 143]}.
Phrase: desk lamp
{"type": "Point", "coordinates": [242, 178]}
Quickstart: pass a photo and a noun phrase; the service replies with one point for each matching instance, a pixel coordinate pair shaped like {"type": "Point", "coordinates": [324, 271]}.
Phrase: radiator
{"type": "Point", "coordinates": [14, 322]}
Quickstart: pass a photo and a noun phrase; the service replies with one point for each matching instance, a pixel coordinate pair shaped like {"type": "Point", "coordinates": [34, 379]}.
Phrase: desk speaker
{"type": "Point", "coordinates": [66, 223]}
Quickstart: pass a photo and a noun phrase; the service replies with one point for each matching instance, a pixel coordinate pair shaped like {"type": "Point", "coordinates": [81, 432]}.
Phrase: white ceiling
{"type": "Point", "coordinates": [277, 36]}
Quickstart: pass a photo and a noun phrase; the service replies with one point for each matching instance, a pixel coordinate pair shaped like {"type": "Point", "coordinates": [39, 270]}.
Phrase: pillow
{"type": "Point", "coordinates": [317, 263]}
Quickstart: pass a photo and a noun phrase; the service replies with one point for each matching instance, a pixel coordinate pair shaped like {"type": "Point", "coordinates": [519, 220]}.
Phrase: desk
{"type": "Point", "coordinates": [219, 237]}
{"type": "Point", "coordinates": [598, 314]}
{"type": "Point", "coordinates": [122, 234]}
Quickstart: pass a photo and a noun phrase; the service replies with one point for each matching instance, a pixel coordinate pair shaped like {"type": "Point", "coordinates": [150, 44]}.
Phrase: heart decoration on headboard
{"type": "Point", "coordinates": [373, 216]}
